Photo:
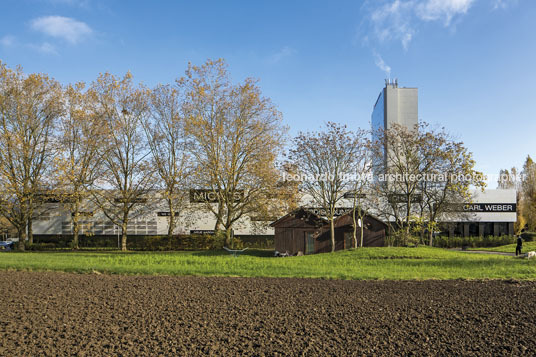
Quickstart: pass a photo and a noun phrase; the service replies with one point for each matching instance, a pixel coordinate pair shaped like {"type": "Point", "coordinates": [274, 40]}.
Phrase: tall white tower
{"type": "Point", "coordinates": [395, 106]}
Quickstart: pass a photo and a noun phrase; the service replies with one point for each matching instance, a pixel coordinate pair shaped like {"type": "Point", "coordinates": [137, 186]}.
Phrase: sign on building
{"type": "Point", "coordinates": [211, 196]}
{"type": "Point", "coordinates": [483, 207]}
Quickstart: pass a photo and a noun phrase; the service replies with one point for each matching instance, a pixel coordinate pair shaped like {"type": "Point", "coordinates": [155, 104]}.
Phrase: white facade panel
{"type": "Point", "coordinates": [54, 219]}
{"type": "Point", "coordinates": [488, 206]}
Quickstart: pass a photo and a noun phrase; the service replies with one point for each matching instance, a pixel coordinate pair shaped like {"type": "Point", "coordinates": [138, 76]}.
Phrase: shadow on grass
{"type": "Point", "coordinates": [470, 264]}
{"type": "Point", "coordinates": [263, 253]}
{"type": "Point", "coordinates": [91, 252]}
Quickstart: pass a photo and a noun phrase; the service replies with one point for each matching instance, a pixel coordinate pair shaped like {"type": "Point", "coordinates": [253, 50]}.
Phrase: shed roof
{"type": "Point", "coordinates": [303, 214]}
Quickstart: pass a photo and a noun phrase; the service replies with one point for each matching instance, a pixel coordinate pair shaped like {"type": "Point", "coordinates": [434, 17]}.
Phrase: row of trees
{"type": "Point", "coordinates": [116, 144]}
{"type": "Point", "coordinates": [113, 141]}
{"type": "Point", "coordinates": [409, 177]}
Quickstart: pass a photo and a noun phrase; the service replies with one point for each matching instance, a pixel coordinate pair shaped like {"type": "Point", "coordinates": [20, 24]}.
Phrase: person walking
{"type": "Point", "coordinates": [519, 245]}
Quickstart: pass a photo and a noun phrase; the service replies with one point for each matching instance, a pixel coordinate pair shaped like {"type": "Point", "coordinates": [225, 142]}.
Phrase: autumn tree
{"type": "Point", "coordinates": [512, 179]}
{"type": "Point", "coordinates": [528, 193]}
{"type": "Point", "coordinates": [360, 185]}
{"type": "Point", "coordinates": [166, 136]}
{"type": "Point", "coordinates": [397, 159]}
{"type": "Point", "coordinates": [422, 175]}
{"type": "Point", "coordinates": [282, 198]}
{"type": "Point", "coordinates": [236, 135]}
{"type": "Point", "coordinates": [524, 183]}
{"type": "Point", "coordinates": [508, 179]}
{"type": "Point", "coordinates": [127, 174]}
{"type": "Point", "coordinates": [326, 159]}
{"type": "Point", "coordinates": [448, 180]}
{"type": "Point", "coordinates": [287, 194]}
{"type": "Point", "coordinates": [29, 108]}
{"type": "Point", "coordinates": [80, 150]}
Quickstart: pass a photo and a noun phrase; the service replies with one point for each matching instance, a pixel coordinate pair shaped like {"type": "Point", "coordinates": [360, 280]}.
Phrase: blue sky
{"type": "Point", "coordinates": [472, 60]}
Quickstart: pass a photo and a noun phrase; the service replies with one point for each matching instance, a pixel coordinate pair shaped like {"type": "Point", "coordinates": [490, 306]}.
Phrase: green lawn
{"type": "Point", "coordinates": [364, 263]}
{"type": "Point", "coordinates": [510, 248]}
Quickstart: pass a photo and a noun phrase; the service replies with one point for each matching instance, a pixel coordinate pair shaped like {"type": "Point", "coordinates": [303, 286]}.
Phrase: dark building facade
{"type": "Point", "coordinates": [304, 231]}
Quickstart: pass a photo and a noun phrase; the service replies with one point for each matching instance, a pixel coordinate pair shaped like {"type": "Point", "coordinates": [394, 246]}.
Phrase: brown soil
{"type": "Point", "coordinates": [59, 314]}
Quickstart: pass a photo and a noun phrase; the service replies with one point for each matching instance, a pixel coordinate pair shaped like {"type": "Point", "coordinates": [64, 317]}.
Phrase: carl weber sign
{"type": "Point", "coordinates": [484, 207]}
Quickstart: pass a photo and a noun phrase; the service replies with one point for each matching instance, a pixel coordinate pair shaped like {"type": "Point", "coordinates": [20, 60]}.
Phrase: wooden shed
{"type": "Point", "coordinates": [304, 231]}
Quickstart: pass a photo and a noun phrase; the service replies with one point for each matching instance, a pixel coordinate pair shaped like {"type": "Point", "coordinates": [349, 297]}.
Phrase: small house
{"type": "Point", "coordinates": [304, 231]}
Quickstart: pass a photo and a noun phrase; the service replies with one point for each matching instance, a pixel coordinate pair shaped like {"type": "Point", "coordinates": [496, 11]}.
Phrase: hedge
{"type": "Point", "coordinates": [473, 242]}
{"type": "Point", "coordinates": [151, 243]}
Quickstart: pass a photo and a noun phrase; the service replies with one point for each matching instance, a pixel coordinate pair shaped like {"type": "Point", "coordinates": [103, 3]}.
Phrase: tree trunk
{"type": "Point", "coordinates": [355, 227]}
{"type": "Point", "coordinates": [218, 230]}
{"type": "Point", "coordinates": [76, 228]}
{"type": "Point", "coordinates": [362, 231]}
{"type": "Point", "coordinates": [171, 225]}
{"type": "Point", "coordinates": [422, 236]}
{"type": "Point", "coordinates": [124, 236]}
{"type": "Point", "coordinates": [30, 231]}
{"type": "Point", "coordinates": [228, 233]}
{"type": "Point", "coordinates": [332, 226]}
{"type": "Point", "coordinates": [124, 241]}
{"type": "Point", "coordinates": [430, 231]}
{"type": "Point", "coordinates": [219, 221]}
{"type": "Point", "coordinates": [22, 238]}
{"type": "Point", "coordinates": [408, 220]}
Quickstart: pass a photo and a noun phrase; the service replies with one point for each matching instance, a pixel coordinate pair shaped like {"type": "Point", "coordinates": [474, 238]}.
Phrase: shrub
{"type": "Point", "coordinates": [528, 236]}
{"type": "Point", "coordinates": [402, 239]}
{"type": "Point", "coordinates": [40, 246]}
{"type": "Point", "coordinates": [257, 242]}
{"type": "Point", "coordinates": [473, 242]}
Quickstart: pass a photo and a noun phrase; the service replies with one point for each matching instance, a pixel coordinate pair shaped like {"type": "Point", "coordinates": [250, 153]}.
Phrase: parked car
{"type": "Point", "coordinates": [6, 246]}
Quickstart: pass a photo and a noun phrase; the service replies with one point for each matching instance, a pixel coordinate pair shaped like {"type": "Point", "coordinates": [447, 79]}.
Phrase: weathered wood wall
{"type": "Point", "coordinates": [290, 234]}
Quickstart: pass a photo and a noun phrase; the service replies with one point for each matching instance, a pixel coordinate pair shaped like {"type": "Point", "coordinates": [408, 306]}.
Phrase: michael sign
{"type": "Point", "coordinates": [211, 196]}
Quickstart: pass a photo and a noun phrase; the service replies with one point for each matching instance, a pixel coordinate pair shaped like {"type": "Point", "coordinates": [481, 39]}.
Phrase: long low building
{"type": "Point", "coordinates": [492, 212]}
{"type": "Point", "coordinates": [489, 212]}
{"type": "Point", "coordinates": [148, 219]}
